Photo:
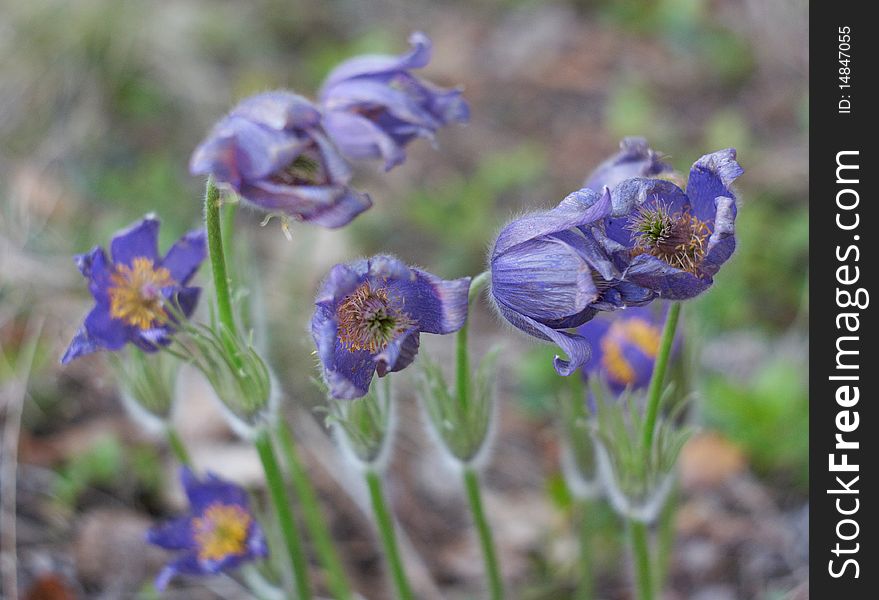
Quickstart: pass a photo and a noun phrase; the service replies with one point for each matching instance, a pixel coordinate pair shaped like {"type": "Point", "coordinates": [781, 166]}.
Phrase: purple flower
{"type": "Point", "coordinates": [272, 150]}
{"type": "Point", "coordinates": [676, 241]}
{"type": "Point", "coordinates": [132, 290]}
{"type": "Point", "coordinates": [635, 159]}
{"type": "Point", "coordinates": [219, 533]}
{"type": "Point", "coordinates": [369, 315]}
{"type": "Point", "coordinates": [549, 273]}
{"type": "Point", "coordinates": [624, 347]}
{"type": "Point", "coordinates": [373, 106]}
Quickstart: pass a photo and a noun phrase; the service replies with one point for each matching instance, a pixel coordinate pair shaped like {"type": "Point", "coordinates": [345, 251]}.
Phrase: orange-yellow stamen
{"type": "Point", "coordinates": [639, 333]}
{"type": "Point", "coordinates": [221, 531]}
{"type": "Point", "coordinates": [369, 319]}
{"type": "Point", "coordinates": [136, 293]}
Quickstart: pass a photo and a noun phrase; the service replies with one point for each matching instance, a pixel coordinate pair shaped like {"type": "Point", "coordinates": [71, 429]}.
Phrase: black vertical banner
{"type": "Point", "coordinates": [843, 189]}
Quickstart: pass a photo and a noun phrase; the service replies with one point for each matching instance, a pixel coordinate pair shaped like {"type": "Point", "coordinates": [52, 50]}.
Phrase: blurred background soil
{"type": "Point", "coordinates": [101, 103]}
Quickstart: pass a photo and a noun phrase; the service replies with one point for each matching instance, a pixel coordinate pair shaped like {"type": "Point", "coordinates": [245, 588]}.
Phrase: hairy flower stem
{"type": "Point", "coordinates": [177, 446]}
{"type": "Point", "coordinates": [213, 225]}
{"type": "Point", "coordinates": [654, 391]}
{"type": "Point", "coordinates": [474, 497]}
{"type": "Point", "coordinates": [641, 556]}
{"type": "Point", "coordinates": [637, 529]}
{"type": "Point", "coordinates": [385, 523]}
{"type": "Point", "coordinates": [314, 519]}
{"type": "Point", "coordinates": [462, 364]}
{"type": "Point", "coordinates": [281, 501]}
{"type": "Point", "coordinates": [585, 585]}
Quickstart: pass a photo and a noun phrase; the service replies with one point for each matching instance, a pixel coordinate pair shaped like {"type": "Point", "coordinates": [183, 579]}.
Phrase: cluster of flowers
{"type": "Point", "coordinates": [629, 236]}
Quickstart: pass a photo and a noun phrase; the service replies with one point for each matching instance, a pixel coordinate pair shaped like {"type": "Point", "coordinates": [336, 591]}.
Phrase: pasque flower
{"type": "Point", "coordinates": [373, 105]}
{"type": "Point", "coordinates": [219, 533]}
{"type": "Point", "coordinates": [634, 159]}
{"type": "Point", "coordinates": [549, 274]}
{"type": "Point", "coordinates": [624, 347]}
{"type": "Point", "coordinates": [133, 287]}
{"type": "Point", "coordinates": [272, 150]}
{"type": "Point", "coordinates": [676, 241]}
{"type": "Point", "coordinates": [369, 315]}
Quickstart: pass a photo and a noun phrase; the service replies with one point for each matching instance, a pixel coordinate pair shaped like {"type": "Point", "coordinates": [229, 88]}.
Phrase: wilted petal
{"type": "Point", "coordinates": [711, 177]}
{"type": "Point", "coordinates": [377, 65]}
{"type": "Point", "coordinates": [722, 242]}
{"type": "Point", "coordinates": [667, 281]}
{"type": "Point", "coordinates": [398, 354]}
{"type": "Point", "coordinates": [635, 159]}
{"type": "Point", "coordinates": [575, 346]}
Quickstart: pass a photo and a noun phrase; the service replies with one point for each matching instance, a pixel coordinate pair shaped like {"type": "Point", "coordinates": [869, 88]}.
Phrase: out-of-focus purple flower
{"type": "Point", "coordinates": [676, 241]}
{"type": "Point", "coordinates": [219, 533]}
{"type": "Point", "coordinates": [373, 106]}
{"type": "Point", "coordinates": [624, 347]}
{"type": "Point", "coordinates": [133, 288]}
{"type": "Point", "coordinates": [635, 159]}
{"type": "Point", "coordinates": [272, 150]}
{"type": "Point", "coordinates": [549, 273]}
{"type": "Point", "coordinates": [369, 315]}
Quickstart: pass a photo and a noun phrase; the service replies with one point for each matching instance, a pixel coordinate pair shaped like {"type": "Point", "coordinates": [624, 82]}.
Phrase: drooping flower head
{"type": "Point", "coordinates": [219, 533]}
{"type": "Point", "coordinates": [676, 241]}
{"type": "Point", "coordinates": [369, 314]}
{"type": "Point", "coordinates": [272, 150]}
{"type": "Point", "coordinates": [635, 159]}
{"type": "Point", "coordinates": [374, 105]}
{"type": "Point", "coordinates": [549, 273]}
{"type": "Point", "coordinates": [133, 287]}
{"type": "Point", "coordinates": [624, 347]}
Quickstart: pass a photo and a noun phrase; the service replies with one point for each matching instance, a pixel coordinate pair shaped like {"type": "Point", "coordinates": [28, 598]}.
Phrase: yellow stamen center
{"type": "Point", "coordinates": [636, 332]}
{"type": "Point", "coordinates": [369, 319]}
{"type": "Point", "coordinates": [136, 293]}
{"type": "Point", "coordinates": [221, 531]}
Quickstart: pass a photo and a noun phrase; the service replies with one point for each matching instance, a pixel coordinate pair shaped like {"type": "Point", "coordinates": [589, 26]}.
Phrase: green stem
{"type": "Point", "coordinates": [281, 501]}
{"type": "Point", "coordinates": [654, 391]}
{"type": "Point", "coordinates": [218, 259]}
{"type": "Point", "coordinates": [462, 364]}
{"type": "Point", "coordinates": [586, 584]}
{"type": "Point", "coordinates": [386, 530]}
{"type": "Point", "coordinates": [177, 446]}
{"type": "Point", "coordinates": [474, 497]}
{"type": "Point", "coordinates": [641, 556]}
{"type": "Point", "coordinates": [666, 538]}
{"type": "Point", "coordinates": [227, 228]}
{"type": "Point", "coordinates": [314, 519]}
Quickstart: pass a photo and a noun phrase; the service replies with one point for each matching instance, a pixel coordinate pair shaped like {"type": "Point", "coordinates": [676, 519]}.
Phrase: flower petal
{"type": "Point", "coordinates": [545, 279]}
{"type": "Point", "coordinates": [187, 564]}
{"type": "Point", "coordinates": [359, 138]}
{"type": "Point", "coordinates": [347, 373]}
{"type": "Point", "coordinates": [575, 346]}
{"type": "Point", "coordinates": [329, 205]}
{"type": "Point", "coordinates": [635, 159]}
{"type": "Point", "coordinates": [711, 177]}
{"type": "Point", "coordinates": [437, 305]}
{"type": "Point", "coordinates": [202, 492]}
{"type": "Point", "coordinates": [185, 256]}
{"type": "Point", "coordinates": [722, 242]}
{"type": "Point", "coordinates": [138, 241]}
{"type": "Point", "coordinates": [398, 354]}
{"type": "Point", "coordinates": [175, 534]}
{"type": "Point", "coordinates": [579, 208]}
{"type": "Point", "coordinates": [667, 281]}
{"type": "Point", "coordinates": [278, 109]}
{"type": "Point", "coordinates": [382, 65]}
